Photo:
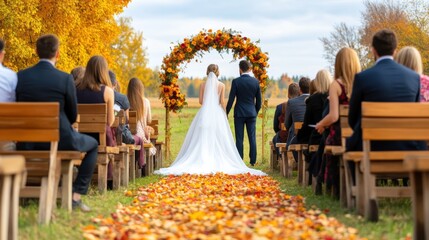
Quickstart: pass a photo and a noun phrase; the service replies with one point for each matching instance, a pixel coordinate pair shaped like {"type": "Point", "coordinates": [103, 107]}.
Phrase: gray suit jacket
{"type": "Point", "coordinates": [295, 112]}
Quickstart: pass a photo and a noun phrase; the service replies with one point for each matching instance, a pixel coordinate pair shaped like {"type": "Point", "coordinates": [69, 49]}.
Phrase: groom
{"type": "Point", "coordinates": [246, 89]}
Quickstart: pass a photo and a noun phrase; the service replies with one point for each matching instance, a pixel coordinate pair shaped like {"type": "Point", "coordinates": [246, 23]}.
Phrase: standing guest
{"type": "Point", "coordinates": [8, 80]}
{"type": "Point", "coordinates": [346, 66]}
{"type": "Point", "coordinates": [141, 105]}
{"type": "Point", "coordinates": [386, 81]}
{"type": "Point", "coordinates": [296, 109]}
{"type": "Point", "coordinates": [248, 93]}
{"type": "Point", "coordinates": [410, 57]}
{"type": "Point", "coordinates": [279, 117]}
{"type": "Point", "coordinates": [121, 101]}
{"type": "Point", "coordinates": [44, 83]}
{"type": "Point", "coordinates": [78, 73]}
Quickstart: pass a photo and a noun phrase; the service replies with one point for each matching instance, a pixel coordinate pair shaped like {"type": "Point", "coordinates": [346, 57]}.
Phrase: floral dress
{"type": "Point", "coordinates": [331, 173]}
{"type": "Point", "coordinates": [424, 88]}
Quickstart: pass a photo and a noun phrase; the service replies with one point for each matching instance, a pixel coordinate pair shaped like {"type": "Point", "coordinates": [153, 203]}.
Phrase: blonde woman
{"type": "Point", "coordinates": [410, 57]}
{"type": "Point", "coordinates": [314, 107]}
{"type": "Point", "coordinates": [346, 66]}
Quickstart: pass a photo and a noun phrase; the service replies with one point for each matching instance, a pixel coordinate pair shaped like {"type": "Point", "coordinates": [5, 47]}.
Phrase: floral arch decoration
{"type": "Point", "coordinates": [206, 40]}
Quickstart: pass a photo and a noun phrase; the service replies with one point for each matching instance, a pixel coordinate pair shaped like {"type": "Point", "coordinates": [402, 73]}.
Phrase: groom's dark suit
{"type": "Point", "coordinates": [246, 89]}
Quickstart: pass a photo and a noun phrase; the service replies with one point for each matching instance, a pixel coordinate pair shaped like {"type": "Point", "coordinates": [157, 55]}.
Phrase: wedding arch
{"type": "Point", "coordinates": [222, 41]}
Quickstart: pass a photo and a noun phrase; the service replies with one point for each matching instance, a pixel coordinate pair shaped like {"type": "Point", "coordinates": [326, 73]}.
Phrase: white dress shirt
{"type": "Point", "coordinates": [8, 81]}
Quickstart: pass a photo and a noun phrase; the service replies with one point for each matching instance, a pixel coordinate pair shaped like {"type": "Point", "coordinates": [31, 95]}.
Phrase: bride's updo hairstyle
{"type": "Point", "coordinates": [213, 68]}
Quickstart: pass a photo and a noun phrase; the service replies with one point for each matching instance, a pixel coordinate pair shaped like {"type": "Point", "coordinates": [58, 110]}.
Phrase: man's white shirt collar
{"type": "Point", "coordinates": [384, 57]}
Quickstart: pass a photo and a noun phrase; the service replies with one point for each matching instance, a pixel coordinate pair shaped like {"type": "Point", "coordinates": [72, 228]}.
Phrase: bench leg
{"type": "Point", "coordinates": [125, 170]}
{"type": "Point", "coordinates": [360, 191]}
{"type": "Point", "coordinates": [5, 201]}
{"type": "Point", "coordinates": [102, 162]}
{"type": "Point", "coordinates": [132, 165]}
{"type": "Point", "coordinates": [14, 209]}
{"type": "Point", "coordinates": [300, 170]}
{"type": "Point", "coordinates": [420, 197]}
{"type": "Point", "coordinates": [343, 191]}
{"type": "Point", "coordinates": [117, 162]}
{"type": "Point", "coordinates": [66, 184]}
{"type": "Point", "coordinates": [348, 183]}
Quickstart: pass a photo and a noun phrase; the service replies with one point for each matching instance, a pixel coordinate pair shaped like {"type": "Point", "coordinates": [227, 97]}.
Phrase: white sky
{"type": "Point", "coordinates": [289, 30]}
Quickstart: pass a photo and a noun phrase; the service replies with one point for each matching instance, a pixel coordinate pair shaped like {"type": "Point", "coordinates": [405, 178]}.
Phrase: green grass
{"type": "Point", "coordinates": [395, 214]}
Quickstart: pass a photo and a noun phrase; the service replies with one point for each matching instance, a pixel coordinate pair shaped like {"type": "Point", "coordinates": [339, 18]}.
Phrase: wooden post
{"type": "Point", "coordinates": [167, 134]}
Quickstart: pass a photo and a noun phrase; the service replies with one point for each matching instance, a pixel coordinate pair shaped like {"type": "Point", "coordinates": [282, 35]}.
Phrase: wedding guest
{"type": "Point", "coordinates": [8, 81]}
{"type": "Point", "coordinates": [410, 57]}
{"type": "Point", "coordinates": [279, 117]}
{"type": "Point", "coordinates": [314, 107]}
{"type": "Point", "coordinates": [386, 81]}
{"type": "Point", "coordinates": [346, 66]}
{"type": "Point", "coordinates": [78, 73]}
{"type": "Point", "coordinates": [121, 101]}
{"type": "Point", "coordinates": [44, 83]}
{"type": "Point", "coordinates": [296, 108]}
{"type": "Point", "coordinates": [141, 105]}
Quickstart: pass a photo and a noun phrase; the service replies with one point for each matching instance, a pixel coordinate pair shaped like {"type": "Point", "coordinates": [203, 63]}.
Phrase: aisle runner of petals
{"type": "Point", "coordinates": [216, 207]}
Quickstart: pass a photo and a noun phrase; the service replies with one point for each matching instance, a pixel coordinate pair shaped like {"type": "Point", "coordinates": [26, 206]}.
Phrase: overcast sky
{"type": "Point", "coordinates": [288, 30]}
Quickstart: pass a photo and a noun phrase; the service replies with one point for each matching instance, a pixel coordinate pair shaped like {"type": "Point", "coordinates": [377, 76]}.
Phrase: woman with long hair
{"type": "Point", "coordinates": [141, 105]}
{"type": "Point", "coordinates": [346, 66]}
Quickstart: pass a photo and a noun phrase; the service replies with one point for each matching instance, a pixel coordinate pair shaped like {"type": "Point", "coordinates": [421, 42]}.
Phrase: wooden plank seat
{"type": "Point", "coordinates": [418, 166]}
{"type": "Point", "coordinates": [12, 177]}
{"type": "Point", "coordinates": [39, 122]}
{"type": "Point", "coordinates": [93, 119]}
{"type": "Point", "coordinates": [389, 122]}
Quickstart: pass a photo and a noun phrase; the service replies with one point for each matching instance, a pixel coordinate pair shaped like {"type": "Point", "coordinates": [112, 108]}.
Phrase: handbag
{"type": "Point", "coordinates": [127, 136]}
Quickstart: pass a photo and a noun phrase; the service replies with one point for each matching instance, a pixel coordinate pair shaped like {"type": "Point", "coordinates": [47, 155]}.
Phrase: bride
{"type": "Point", "coordinates": [209, 146]}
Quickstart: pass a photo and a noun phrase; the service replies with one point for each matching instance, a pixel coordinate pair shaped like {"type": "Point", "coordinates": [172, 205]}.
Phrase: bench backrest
{"type": "Point", "coordinates": [29, 122]}
{"type": "Point", "coordinates": [297, 126]}
{"type": "Point", "coordinates": [154, 125]}
{"type": "Point", "coordinates": [133, 121]}
{"type": "Point", "coordinates": [395, 121]}
{"type": "Point", "coordinates": [93, 119]}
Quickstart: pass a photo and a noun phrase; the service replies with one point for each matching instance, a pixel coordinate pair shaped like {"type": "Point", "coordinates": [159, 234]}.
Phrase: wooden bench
{"type": "Point", "coordinates": [274, 163]}
{"type": "Point", "coordinates": [285, 167]}
{"type": "Point", "coordinates": [39, 122]}
{"type": "Point", "coordinates": [148, 168]}
{"type": "Point", "coordinates": [303, 175]}
{"type": "Point", "coordinates": [158, 144]}
{"type": "Point", "coordinates": [12, 176]}
{"type": "Point", "coordinates": [389, 121]}
{"type": "Point", "coordinates": [122, 160]}
{"type": "Point", "coordinates": [418, 166]}
{"type": "Point", "coordinates": [93, 119]}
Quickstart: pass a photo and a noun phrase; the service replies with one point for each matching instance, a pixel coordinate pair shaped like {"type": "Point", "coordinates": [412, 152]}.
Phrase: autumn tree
{"type": "Point", "coordinates": [85, 28]}
{"type": "Point", "coordinates": [130, 56]}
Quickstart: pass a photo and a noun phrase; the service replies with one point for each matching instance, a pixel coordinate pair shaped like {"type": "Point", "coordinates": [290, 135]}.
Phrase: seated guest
{"type": "Point", "coordinates": [386, 81]}
{"type": "Point", "coordinates": [144, 116]}
{"type": "Point", "coordinates": [410, 57]}
{"type": "Point", "coordinates": [95, 87]}
{"type": "Point", "coordinates": [78, 73]}
{"type": "Point", "coordinates": [121, 101]}
{"type": "Point", "coordinates": [44, 83]}
{"type": "Point", "coordinates": [279, 117]}
{"type": "Point", "coordinates": [346, 66]}
{"type": "Point", "coordinates": [8, 81]}
{"type": "Point", "coordinates": [314, 107]}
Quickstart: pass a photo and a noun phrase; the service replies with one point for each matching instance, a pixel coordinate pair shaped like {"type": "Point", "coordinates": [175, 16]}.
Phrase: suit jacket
{"type": "Point", "coordinates": [294, 113]}
{"type": "Point", "coordinates": [277, 113]}
{"type": "Point", "coordinates": [313, 114]}
{"type": "Point", "coordinates": [44, 83]}
{"type": "Point", "coordinates": [246, 89]}
{"type": "Point", "coordinates": [387, 81]}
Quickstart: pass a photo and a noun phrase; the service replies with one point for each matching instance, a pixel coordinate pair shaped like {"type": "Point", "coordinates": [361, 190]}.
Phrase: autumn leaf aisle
{"type": "Point", "coordinates": [216, 207]}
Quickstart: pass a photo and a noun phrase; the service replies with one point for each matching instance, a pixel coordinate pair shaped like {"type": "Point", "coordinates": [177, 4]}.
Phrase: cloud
{"type": "Point", "coordinates": [288, 30]}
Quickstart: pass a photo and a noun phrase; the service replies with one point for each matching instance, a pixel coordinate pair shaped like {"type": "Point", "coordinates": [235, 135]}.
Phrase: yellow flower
{"type": "Point", "coordinates": [169, 70]}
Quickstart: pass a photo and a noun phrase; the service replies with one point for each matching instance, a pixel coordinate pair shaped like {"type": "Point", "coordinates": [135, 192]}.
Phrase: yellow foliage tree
{"type": "Point", "coordinates": [130, 56]}
{"type": "Point", "coordinates": [85, 28]}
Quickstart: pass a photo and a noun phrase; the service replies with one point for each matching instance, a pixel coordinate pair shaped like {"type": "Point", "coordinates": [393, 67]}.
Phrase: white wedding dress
{"type": "Point", "coordinates": [209, 146]}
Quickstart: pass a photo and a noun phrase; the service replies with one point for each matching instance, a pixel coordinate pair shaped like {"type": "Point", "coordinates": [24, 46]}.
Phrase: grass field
{"type": "Point", "coordinates": [395, 215]}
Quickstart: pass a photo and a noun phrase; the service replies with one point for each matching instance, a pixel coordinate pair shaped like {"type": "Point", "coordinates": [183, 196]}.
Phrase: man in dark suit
{"type": "Point", "coordinates": [296, 108]}
{"type": "Point", "coordinates": [386, 81]}
{"type": "Point", "coordinates": [44, 83]}
{"type": "Point", "coordinates": [246, 89]}
{"type": "Point", "coordinates": [279, 117]}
